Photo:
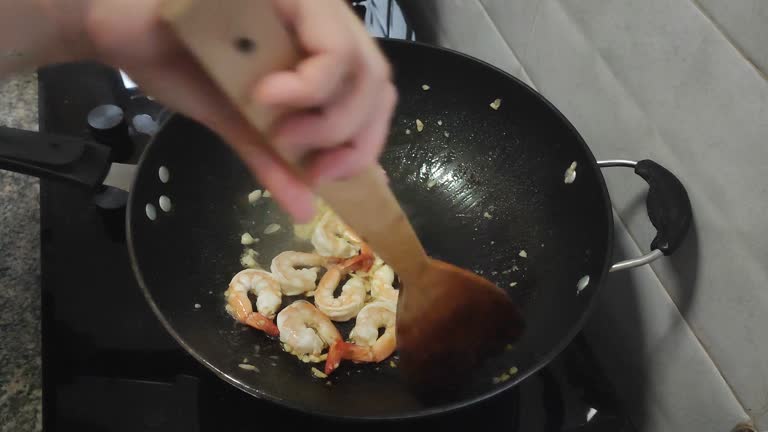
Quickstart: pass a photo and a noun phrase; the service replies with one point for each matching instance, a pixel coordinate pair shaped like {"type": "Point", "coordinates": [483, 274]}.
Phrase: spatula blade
{"type": "Point", "coordinates": [450, 324]}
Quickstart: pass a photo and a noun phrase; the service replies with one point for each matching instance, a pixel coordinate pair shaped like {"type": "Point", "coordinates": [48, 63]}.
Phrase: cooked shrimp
{"type": "Point", "coordinates": [268, 299]}
{"type": "Point", "coordinates": [381, 285]}
{"type": "Point", "coordinates": [352, 297]}
{"type": "Point", "coordinates": [367, 346]}
{"type": "Point", "coordinates": [332, 237]}
{"type": "Point", "coordinates": [297, 271]}
{"type": "Point", "coordinates": [305, 331]}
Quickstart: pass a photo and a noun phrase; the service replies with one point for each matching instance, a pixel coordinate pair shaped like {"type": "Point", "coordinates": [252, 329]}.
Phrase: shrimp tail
{"type": "Point", "coordinates": [341, 350]}
{"type": "Point", "coordinates": [259, 321]}
{"type": "Point", "coordinates": [335, 352]}
{"type": "Point", "coordinates": [363, 261]}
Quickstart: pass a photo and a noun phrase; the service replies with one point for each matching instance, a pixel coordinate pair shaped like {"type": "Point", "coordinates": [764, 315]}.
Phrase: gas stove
{"type": "Point", "coordinates": [109, 365]}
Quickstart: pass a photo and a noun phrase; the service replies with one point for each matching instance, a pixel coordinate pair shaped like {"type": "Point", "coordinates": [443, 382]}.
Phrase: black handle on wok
{"type": "Point", "coordinates": [53, 156]}
{"type": "Point", "coordinates": [668, 205]}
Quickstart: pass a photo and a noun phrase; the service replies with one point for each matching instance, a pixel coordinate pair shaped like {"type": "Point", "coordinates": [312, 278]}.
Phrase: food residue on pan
{"type": "Point", "coordinates": [439, 122]}
{"type": "Point", "coordinates": [247, 239]}
{"type": "Point", "coordinates": [431, 183]}
{"type": "Point", "coordinates": [248, 367]}
{"type": "Point", "coordinates": [496, 104]}
{"type": "Point", "coordinates": [512, 284]}
{"type": "Point", "coordinates": [407, 131]}
{"type": "Point", "coordinates": [523, 254]}
{"type": "Point", "coordinates": [570, 173]}
{"type": "Point", "coordinates": [271, 229]}
{"type": "Point", "coordinates": [502, 378]}
{"type": "Point", "coordinates": [248, 259]}
{"type": "Point", "coordinates": [318, 373]}
{"type": "Point", "coordinates": [446, 134]}
{"type": "Point", "coordinates": [487, 215]}
{"type": "Point", "coordinates": [419, 125]}
{"type": "Point", "coordinates": [198, 305]}
{"type": "Point", "coordinates": [255, 196]}
{"type": "Point", "coordinates": [506, 375]}
{"type": "Point", "coordinates": [581, 284]}
{"type": "Point", "coordinates": [425, 87]}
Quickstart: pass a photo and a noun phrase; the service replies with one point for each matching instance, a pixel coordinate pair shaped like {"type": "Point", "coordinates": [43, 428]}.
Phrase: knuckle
{"type": "Point", "coordinates": [315, 93]}
{"type": "Point", "coordinates": [337, 128]}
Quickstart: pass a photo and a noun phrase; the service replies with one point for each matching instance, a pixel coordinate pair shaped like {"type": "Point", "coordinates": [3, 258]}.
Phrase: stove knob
{"type": "Point", "coordinates": [144, 123]}
{"type": "Point", "coordinates": [108, 126]}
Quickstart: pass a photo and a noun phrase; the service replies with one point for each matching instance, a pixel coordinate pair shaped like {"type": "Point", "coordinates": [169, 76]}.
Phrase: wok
{"type": "Point", "coordinates": [484, 188]}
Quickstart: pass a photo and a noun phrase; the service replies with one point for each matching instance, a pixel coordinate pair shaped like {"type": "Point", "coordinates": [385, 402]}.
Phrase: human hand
{"type": "Point", "coordinates": [340, 98]}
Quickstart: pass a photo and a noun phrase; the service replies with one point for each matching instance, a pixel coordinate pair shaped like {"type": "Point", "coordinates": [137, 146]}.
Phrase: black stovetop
{"type": "Point", "coordinates": [109, 365]}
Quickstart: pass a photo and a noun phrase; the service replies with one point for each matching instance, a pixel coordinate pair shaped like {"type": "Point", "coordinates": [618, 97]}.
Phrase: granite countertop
{"type": "Point", "coordinates": [20, 366]}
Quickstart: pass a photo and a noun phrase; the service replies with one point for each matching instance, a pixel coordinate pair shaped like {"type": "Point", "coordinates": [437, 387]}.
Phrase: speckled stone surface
{"type": "Point", "coordinates": [20, 367]}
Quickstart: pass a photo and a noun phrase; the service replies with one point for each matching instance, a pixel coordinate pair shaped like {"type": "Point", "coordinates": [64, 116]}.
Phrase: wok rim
{"type": "Point", "coordinates": [432, 411]}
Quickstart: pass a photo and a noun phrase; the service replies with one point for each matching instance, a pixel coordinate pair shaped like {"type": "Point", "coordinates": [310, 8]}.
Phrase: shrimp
{"type": "Point", "coordinates": [367, 346]}
{"type": "Point", "coordinates": [332, 237]}
{"type": "Point", "coordinates": [305, 331]}
{"type": "Point", "coordinates": [268, 299]}
{"type": "Point", "coordinates": [352, 298]}
{"type": "Point", "coordinates": [294, 280]}
{"type": "Point", "coordinates": [381, 285]}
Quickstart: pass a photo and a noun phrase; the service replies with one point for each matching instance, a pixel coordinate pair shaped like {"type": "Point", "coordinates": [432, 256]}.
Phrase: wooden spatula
{"type": "Point", "coordinates": [447, 318]}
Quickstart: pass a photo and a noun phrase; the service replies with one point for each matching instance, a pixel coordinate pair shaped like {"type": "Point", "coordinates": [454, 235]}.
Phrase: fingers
{"type": "Point", "coordinates": [362, 151]}
{"type": "Point", "coordinates": [333, 95]}
{"type": "Point", "coordinates": [330, 50]}
{"type": "Point", "coordinates": [313, 84]}
{"type": "Point", "coordinates": [335, 125]}
{"type": "Point", "coordinates": [195, 96]}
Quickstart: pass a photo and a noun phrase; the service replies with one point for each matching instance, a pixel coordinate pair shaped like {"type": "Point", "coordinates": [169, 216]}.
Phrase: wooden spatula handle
{"type": "Point", "coordinates": [239, 41]}
{"type": "Point", "coordinates": [367, 204]}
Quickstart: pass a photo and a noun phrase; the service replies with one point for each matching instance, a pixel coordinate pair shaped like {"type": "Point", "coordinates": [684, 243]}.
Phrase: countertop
{"type": "Point", "coordinates": [20, 365]}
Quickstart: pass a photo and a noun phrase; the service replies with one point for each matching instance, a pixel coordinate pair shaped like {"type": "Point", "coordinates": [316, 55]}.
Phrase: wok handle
{"type": "Point", "coordinates": [668, 206]}
{"type": "Point", "coordinates": [52, 156]}
{"type": "Point", "coordinates": [238, 42]}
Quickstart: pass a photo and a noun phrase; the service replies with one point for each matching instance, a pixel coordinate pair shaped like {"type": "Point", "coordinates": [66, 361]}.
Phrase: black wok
{"type": "Point", "coordinates": [484, 189]}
